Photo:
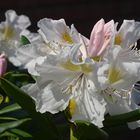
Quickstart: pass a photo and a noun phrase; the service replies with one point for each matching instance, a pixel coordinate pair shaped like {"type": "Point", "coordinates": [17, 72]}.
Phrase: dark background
{"type": "Point", "coordinates": [83, 14]}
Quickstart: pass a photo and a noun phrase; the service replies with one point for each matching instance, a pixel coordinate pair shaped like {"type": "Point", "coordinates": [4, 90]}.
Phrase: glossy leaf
{"type": "Point", "coordinates": [122, 118]}
{"type": "Point", "coordinates": [19, 78]}
{"type": "Point", "coordinates": [1, 98]}
{"type": "Point", "coordinates": [10, 108]}
{"type": "Point", "coordinates": [19, 96]}
{"type": "Point", "coordinates": [27, 103]}
{"type": "Point", "coordinates": [24, 40]}
{"type": "Point", "coordinates": [82, 130]}
{"type": "Point", "coordinates": [20, 133]}
{"type": "Point", "coordinates": [7, 134]}
{"type": "Point", "coordinates": [13, 124]}
{"type": "Point", "coordinates": [7, 119]}
{"type": "Point", "coordinates": [72, 137]}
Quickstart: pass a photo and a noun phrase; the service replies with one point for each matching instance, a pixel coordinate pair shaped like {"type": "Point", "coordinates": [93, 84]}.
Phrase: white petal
{"type": "Point", "coordinates": [135, 96]}
{"type": "Point", "coordinates": [10, 15]}
{"type": "Point", "coordinates": [47, 97]}
{"type": "Point", "coordinates": [124, 105]}
{"type": "Point", "coordinates": [130, 32]}
{"type": "Point", "coordinates": [32, 64]}
{"type": "Point", "coordinates": [23, 22]}
{"type": "Point", "coordinates": [16, 21]}
{"type": "Point", "coordinates": [90, 105]}
{"type": "Point", "coordinates": [134, 125]}
{"type": "Point", "coordinates": [52, 69]}
{"type": "Point", "coordinates": [118, 105]}
{"type": "Point", "coordinates": [52, 29]}
{"type": "Point", "coordinates": [75, 34]}
{"type": "Point", "coordinates": [25, 54]}
{"type": "Point", "coordinates": [74, 54]}
{"type": "Point", "coordinates": [130, 76]}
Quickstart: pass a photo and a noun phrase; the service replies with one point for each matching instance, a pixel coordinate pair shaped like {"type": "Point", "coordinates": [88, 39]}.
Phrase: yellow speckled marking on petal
{"type": "Point", "coordinates": [70, 66]}
{"type": "Point", "coordinates": [86, 68]}
{"type": "Point", "coordinates": [97, 58]}
{"type": "Point", "coordinates": [66, 37]}
{"type": "Point", "coordinates": [118, 39]}
{"type": "Point", "coordinates": [72, 106]}
{"type": "Point", "coordinates": [7, 32]}
{"type": "Point", "coordinates": [114, 75]}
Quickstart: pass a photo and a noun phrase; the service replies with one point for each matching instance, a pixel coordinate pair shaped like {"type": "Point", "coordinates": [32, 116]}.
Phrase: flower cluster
{"type": "Point", "coordinates": [88, 78]}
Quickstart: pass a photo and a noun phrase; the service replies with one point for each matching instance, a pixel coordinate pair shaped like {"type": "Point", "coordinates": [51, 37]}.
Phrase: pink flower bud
{"type": "Point", "coordinates": [100, 37]}
{"type": "Point", "coordinates": [3, 64]}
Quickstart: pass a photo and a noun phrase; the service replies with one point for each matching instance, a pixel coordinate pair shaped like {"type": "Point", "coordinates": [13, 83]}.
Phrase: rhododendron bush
{"type": "Point", "coordinates": [92, 83]}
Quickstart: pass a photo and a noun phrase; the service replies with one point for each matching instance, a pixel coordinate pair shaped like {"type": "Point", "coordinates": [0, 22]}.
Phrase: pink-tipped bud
{"type": "Point", "coordinates": [3, 64]}
{"type": "Point", "coordinates": [100, 37]}
{"type": "Point", "coordinates": [96, 38]}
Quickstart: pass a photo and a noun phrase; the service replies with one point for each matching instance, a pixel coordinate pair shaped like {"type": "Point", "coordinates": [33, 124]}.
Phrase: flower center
{"type": "Point", "coordinates": [85, 68]}
{"type": "Point", "coordinates": [70, 66]}
{"type": "Point", "coordinates": [114, 75]}
{"type": "Point", "coordinates": [66, 37]}
{"type": "Point", "coordinates": [97, 58]}
{"type": "Point", "coordinates": [118, 39]}
{"type": "Point", "coordinates": [7, 32]}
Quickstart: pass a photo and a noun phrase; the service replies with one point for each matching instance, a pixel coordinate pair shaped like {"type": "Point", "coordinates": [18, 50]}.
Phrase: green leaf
{"type": "Point", "coordinates": [20, 133]}
{"type": "Point", "coordinates": [19, 78]}
{"type": "Point", "coordinates": [2, 93]}
{"type": "Point", "coordinates": [13, 124]}
{"type": "Point", "coordinates": [82, 130]}
{"type": "Point", "coordinates": [24, 40]}
{"type": "Point", "coordinates": [7, 134]}
{"type": "Point", "coordinates": [16, 75]}
{"type": "Point", "coordinates": [19, 96]}
{"type": "Point", "coordinates": [27, 103]}
{"type": "Point", "coordinates": [72, 137]}
{"type": "Point", "coordinates": [8, 118]}
{"type": "Point", "coordinates": [122, 118]}
{"type": "Point", "coordinates": [10, 108]}
{"type": "Point", "coordinates": [1, 98]}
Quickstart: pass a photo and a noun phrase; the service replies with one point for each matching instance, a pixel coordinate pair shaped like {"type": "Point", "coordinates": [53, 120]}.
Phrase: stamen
{"type": "Point", "coordinates": [130, 54]}
{"type": "Point", "coordinates": [73, 85]}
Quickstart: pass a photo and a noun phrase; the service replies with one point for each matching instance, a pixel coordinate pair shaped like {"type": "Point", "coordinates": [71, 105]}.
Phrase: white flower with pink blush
{"type": "Point", "coordinates": [100, 38]}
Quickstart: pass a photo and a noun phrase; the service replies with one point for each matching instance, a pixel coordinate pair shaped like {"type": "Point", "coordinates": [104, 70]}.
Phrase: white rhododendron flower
{"type": "Point", "coordinates": [121, 71]}
{"type": "Point", "coordinates": [68, 78]}
{"type": "Point", "coordinates": [13, 26]}
{"type": "Point", "coordinates": [57, 31]}
{"type": "Point", "coordinates": [89, 78]}
{"type": "Point", "coordinates": [10, 32]}
{"type": "Point", "coordinates": [29, 55]}
{"type": "Point", "coordinates": [62, 83]}
{"type": "Point", "coordinates": [53, 35]}
{"type": "Point", "coordinates": [97, 73]}
{"type": "Point", "coordinates": [128, 33]}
